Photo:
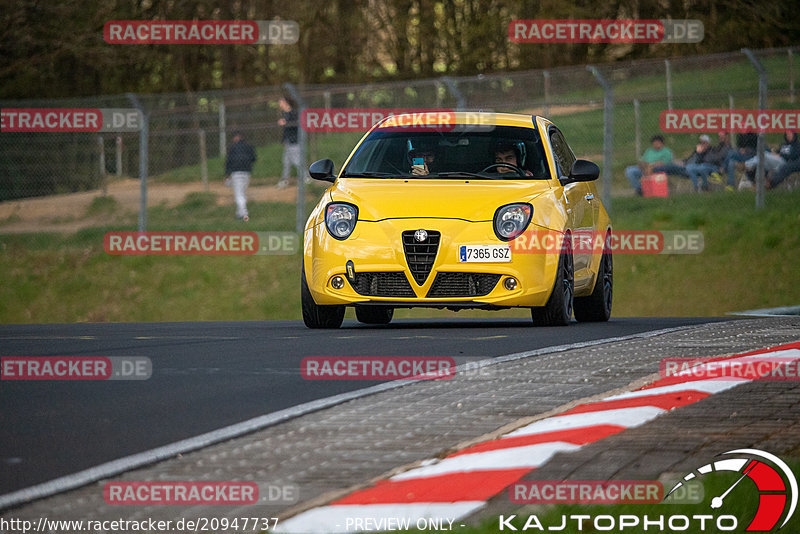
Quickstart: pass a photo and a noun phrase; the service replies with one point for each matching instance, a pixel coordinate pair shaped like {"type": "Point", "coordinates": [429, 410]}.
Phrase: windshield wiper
{"type": "Point", "coordinates": [369, 174]}
{"type": "Point", "coordinates": [462, 174]}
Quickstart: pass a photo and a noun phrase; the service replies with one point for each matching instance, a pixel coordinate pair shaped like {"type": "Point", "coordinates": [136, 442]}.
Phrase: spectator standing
{"type": "Point", "coordinates": [238, 166]}
{"type": "Point", "coordinates": [291, 146]}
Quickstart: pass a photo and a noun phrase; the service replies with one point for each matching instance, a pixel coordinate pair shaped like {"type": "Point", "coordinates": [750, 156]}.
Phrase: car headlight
{"type": "Point", "coordinates": [511, 220]}
{"type": "Point", "coordinates": [340, 219]}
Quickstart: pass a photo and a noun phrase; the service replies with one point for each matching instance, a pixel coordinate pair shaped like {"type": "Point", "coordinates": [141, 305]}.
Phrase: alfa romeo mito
{"type": "Point", "coordinates": [455, 211]}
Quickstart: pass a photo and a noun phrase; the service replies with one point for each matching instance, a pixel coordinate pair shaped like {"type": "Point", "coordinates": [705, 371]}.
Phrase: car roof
{"type": "Point", "coordinates": [484, 118]}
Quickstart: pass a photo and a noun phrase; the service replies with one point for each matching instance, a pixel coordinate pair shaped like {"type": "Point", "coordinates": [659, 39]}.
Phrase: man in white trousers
{"type": "Point", "coordinates": [239, 165]}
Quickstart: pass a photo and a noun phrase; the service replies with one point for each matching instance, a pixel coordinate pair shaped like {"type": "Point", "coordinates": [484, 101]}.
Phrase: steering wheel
{"type": "Point", "coordinates": [508, 165]}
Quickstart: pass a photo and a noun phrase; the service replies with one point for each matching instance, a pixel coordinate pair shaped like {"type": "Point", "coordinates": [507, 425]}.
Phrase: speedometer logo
{"type": "Point", "coordinates": [771, 481]}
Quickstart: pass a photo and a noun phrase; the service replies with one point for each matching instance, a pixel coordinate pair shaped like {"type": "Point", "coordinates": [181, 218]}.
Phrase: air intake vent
{"type": "Point", "coordinates": [463, 284]}
{"type": "Point", "coordinates": [394, 284]}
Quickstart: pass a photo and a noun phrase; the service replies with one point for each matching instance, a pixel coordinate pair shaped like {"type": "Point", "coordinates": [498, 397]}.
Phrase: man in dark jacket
{"type": "Point", "coordinates": [238, 166]}
{"type": "Point", "coordinates": [746, 144]}
{"type": "Point", "coordinates": [699, 166]}
{"type": "Point", "coordinates": [291, 146]}
{"type": "Point", "coordinates": [790, 152]}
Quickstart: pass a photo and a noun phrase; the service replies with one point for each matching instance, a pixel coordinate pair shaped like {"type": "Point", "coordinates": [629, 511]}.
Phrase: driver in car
{"type": "Point", "coordinates": [509, 153]}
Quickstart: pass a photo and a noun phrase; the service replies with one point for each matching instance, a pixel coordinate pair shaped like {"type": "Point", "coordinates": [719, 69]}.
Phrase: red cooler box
{"type": "Point", "coordinates": [655, 185]}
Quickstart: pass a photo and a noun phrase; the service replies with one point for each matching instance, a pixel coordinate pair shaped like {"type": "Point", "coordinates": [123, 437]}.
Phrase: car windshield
{"type": "Point", "coordinates": [505, 152]}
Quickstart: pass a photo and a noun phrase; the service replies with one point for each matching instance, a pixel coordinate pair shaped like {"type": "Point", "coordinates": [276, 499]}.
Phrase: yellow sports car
{"type": "Point", "coordinates": [454, 210]}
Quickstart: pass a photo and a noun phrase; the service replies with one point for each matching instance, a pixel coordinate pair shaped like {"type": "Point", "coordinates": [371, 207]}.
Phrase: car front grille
{"type": "Point", "coordinates": [463, 284]}
{"type": "Point", "coordinates": [393, 284]}
{"type": "Point", "coordinates": [420, 255]}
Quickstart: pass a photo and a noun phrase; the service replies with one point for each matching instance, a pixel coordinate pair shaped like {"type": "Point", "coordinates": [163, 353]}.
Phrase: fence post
{"type": "Point", "coordinates": [300, 220]}
{"type": "Point", "coordinates": [546, 110]}
{"type": "Point", "coordinates": [791, 76]}
{"type": "Point", "coordinates": [668, 72]}
{"type": "Point", "coordinates": [637, 128]}
{"type": "Point", "coordinates": [119, 155]}
{"type": "Point", "coordinates": [453, 88]}
{"type": "Point", "coordinates": [144, 137]}
{"type": "Point", "coordinates": [203, 158]}
{"type": "Point", "coordinates": [102, 160]}
{"type": "Point", "coordinates": [223, 141]}
{"type": "Point", "coordinates": [732, 134]}
{"type": "Point", "coordinates": [762, 105]}
{"type": "Point", "coordinates": [608, 134]}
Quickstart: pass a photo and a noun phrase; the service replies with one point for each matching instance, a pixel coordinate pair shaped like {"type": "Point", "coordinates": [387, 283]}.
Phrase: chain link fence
{"type": "Point", "coordinates": [188, 132]}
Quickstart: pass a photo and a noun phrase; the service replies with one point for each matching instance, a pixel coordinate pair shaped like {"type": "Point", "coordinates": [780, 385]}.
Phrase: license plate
{"type": "Point", "coordinates": [484, 253]}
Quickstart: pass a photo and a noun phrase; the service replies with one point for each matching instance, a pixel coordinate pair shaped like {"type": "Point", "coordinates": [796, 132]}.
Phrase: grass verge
{"type": "Point", "coordinates": [749, 261]}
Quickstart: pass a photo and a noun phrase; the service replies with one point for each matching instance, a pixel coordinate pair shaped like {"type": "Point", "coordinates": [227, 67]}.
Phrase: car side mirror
{"type": "Point", "coordinates": [322, 170]}
{"type": "Point", "coordinates": [583, 171]}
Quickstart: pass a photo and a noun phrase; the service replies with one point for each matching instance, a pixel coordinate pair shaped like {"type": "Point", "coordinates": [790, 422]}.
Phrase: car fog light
{"type": "Point", "coordinates": [337, 282]}
{"type": "Point", "coordinates": [510, 283]}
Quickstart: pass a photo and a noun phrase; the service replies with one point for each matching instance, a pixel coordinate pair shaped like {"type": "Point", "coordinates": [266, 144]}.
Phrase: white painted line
{"type": "Point", "coordinates": [527, 456]}
{"type": "Point", "coordinates": [624, 417]}
{"type": "Point", "coordinates": [706, 386]}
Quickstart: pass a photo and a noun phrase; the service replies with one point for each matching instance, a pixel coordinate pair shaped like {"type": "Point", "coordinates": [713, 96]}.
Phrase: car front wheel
{"type": "Point", "coordinates": [597, 306]}
{"type": "Point", "coordinates": [558, 310]}
{"type": "Point", "coordinates": [314, 315]}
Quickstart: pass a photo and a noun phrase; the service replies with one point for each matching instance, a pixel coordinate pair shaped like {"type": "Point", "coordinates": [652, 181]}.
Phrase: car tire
{"type": "Point", "coordinates": [314, 315]}
{"type": "Point", "coordinates": [597, 306]}
{"type": "Point", "coordinates": [374, 314]}
{"type": "Point", "coordinates": [558, 310]}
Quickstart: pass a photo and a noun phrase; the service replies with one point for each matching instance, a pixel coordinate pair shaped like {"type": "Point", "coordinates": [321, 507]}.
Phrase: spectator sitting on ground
{"type": "Point", "coordinates": [772, 162]}
{"type": "Point", "coordinates": [719, 156]}
{"type": "Point", "coordinates": [657, 158]}
{"type": "Point", "coordinates": [790, 152]}
{"type": "Point", "coordinates": [706, 160]}
{"type": "Point", "coordinates": [746, 144]}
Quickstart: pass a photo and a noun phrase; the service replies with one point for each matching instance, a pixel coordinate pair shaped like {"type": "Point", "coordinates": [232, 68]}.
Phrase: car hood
{"type": "Point", "coordinates": [473, 200]}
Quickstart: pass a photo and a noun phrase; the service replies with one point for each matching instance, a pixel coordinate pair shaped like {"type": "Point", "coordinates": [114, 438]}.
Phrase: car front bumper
{"type": "Point", "coordinates": [376, 250]}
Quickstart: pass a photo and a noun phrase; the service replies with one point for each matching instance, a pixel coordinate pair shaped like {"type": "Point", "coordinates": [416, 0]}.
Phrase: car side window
{"type": "Point", "coordinates": [564, 156]}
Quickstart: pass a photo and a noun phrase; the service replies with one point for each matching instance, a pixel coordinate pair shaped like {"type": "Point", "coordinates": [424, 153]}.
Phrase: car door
{"type": "Point", "coordinates": [582, 213]}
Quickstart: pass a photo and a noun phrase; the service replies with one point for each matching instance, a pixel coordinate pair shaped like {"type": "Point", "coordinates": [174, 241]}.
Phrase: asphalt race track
{"type": "Point", "coordinates": [211, 375]}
